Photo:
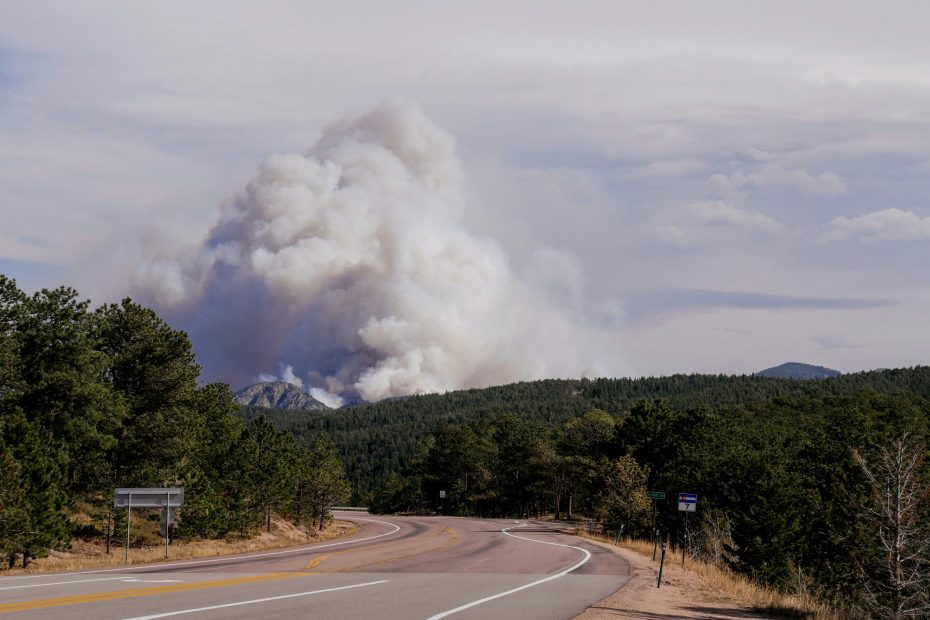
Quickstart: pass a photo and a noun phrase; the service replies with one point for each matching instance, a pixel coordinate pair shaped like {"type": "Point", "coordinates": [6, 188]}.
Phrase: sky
{"type": "Point", "coordinates": [676, 186]}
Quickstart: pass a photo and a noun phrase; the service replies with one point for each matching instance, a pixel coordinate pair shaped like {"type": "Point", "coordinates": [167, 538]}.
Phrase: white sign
{"type": "Point", "coordinates": [687, 502]}
{"type": "Point", "coordinates": [442, 495]}
{"type": "Point", "coordinates": [149, 498]}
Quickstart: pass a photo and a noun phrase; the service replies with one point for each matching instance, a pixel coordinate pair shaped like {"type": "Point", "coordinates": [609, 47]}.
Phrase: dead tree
{"type": "Point", "coordinates": [897, 584]}
{"type": "Point", "coordinates": [719, 548]}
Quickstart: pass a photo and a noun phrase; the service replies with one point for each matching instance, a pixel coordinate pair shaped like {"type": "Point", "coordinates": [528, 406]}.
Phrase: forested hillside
{"type": "Point", "coordinates": [91, 400]}
{"type": "Point", "coordinates": [793, 477]}
{"type": "Point", "coordinates": [826, 493]}
{"type": "Point", "coordinates": [375, 440]}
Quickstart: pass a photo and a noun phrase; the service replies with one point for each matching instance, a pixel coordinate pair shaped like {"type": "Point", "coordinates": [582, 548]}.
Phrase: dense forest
{"type": "Point", "coordinates": [829, 493]}
{"type": "Point", "coordinates": [819, 485]}
{"type": "Point", "coordinates": [379, 439]}
{"type": "Point", "coordinates": [92, 400]}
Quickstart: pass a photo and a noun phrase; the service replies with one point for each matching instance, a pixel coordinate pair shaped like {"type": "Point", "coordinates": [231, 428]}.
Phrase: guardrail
{"type": "Point", "coordinates": [351, 508]}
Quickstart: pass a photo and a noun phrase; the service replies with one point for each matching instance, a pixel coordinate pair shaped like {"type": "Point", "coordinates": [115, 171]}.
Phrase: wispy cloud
{"type": "Point", "coordinates": [885, 225]}
{"type": "Point", "coordinates": [832, 342]}
{"type": "Point", "coordinates": [647, 306]}
{"type": "Point", "coordinates": [720, 213]}
{"type": "Point", "coordinates": [775, 178]}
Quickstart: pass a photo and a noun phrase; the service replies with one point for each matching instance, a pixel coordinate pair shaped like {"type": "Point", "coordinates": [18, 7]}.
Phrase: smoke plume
{"type": "Point", "coordinates": [348, 269]}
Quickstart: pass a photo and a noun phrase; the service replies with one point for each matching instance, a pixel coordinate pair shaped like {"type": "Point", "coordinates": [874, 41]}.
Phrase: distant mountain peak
{"type": "Point", "coordinates": [278, 395]}
{"type": "Point", "coordinates": [797, 370]}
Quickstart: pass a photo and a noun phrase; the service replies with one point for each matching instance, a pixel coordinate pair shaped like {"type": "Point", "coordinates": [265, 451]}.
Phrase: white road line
{"type": "Point", "coordinates": [60, 583]}
{"type": "Point", "coordinates": [585, 552]}
{"type": "Point", "coordinates": [128, 569]}
{"type": "Point", "coordinates": [254, 601]}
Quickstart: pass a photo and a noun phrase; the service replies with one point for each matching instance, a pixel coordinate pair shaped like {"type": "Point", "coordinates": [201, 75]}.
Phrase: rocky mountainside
{"type": "Point", "coordinates": [797, 370]}
{"type": "Point", "coordinates": [278, 395]}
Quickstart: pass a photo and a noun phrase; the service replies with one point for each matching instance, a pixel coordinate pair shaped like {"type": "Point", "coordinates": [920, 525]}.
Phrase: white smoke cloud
{"type": "Point", "coordinates": [286, 374]}
{"type": "Point", "coordinates": [333, 401]}
{"type": "Point", "coordinates": [350, 263]}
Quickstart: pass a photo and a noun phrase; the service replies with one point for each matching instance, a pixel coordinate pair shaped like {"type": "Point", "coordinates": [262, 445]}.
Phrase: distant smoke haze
{"type": "Point", "coordinates": [347, 269]}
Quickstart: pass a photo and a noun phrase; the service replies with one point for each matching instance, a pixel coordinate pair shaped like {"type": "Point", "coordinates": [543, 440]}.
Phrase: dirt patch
{"type": "Point", "coordinates": [683, 595]}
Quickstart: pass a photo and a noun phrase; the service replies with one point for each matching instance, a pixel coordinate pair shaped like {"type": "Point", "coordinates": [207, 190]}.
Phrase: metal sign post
{"type": "Point", "coordinates": [128, 521]}
{"type": "Point", "coordinates": [687, 503]}
{"type": "Point", "coordinates": [661, 566]}
{"type": "Point", "coordinates": [655, 496]}
{"type": "Point", "coordinates": [167, 519]}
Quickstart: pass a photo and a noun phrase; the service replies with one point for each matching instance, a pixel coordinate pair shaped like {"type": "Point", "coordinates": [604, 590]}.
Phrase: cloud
{"type": "Point", "coordinates": [349, 267]}
{"type": "Point", "coordinates": [579, 136]}
{"type": "Point", "coordinates": [886, 225]}
{"type": "Point", "coordinates": [719, 213]}
{"type": "Point", "coordinates": [834, 341]}
{"type": "Point", "coordinates": [673, 235]}
{"type": "Point", "coordinates": [775, 178]}
{"type": "Point", "coordinates": [647, 306]}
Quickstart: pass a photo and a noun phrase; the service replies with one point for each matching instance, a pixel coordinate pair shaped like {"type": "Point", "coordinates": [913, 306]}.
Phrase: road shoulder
{"type": "Point", "coordinates": [682, 595]}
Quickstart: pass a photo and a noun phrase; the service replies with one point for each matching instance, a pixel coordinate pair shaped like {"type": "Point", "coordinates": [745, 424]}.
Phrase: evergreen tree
{"type": "Point", "coordinates": [322, 482]}
{"type": "Point", "coordinates": [40, 480]}
{"type": "Point", "coordinates": [152, 367]}
{"type": "Point", "coordinates": [65, 394]}
{"type": "Point", "coordinates": [14, 508]}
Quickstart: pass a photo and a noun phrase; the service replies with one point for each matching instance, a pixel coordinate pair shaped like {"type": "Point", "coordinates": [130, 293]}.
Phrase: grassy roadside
{"type": "Point", "coordinates": [726, 584]}
{"type": "Point", "coordinates": [88, 555]}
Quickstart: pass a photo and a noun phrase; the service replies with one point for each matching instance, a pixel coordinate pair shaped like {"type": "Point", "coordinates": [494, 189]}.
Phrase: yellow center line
{"type": "Point", "coordinates": [387, 543]}
{"type": "Point", "coordinates": [315, 562]}
{"type": "Point", "coordinates": [184, 587]}
{"type": "Point", "coordinates": [133, 592]}
{"type": "Point", "coordinates": [453, 538]}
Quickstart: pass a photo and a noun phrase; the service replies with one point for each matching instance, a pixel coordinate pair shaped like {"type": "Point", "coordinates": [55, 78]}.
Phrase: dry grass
{"type": "Point", "coordinates": [738, 588]}
{"type": "Point", "coordinates": [85, 555]}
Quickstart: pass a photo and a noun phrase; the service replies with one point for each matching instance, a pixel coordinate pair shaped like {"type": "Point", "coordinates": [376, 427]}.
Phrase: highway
{"type": "Point", "coordinates": [391, 568]}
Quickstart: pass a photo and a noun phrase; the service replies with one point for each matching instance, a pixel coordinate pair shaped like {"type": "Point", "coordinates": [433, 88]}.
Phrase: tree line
{"type": "Point", "coordinates": [94, 399]}
{"type": "Point", "coordinates": [828, 491]}
{"type": "Point", "coordinates": [379, 439]}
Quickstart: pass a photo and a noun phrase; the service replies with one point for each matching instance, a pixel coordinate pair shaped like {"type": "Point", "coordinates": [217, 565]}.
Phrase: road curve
{"type": "Point", "coordinates": [391, 568]}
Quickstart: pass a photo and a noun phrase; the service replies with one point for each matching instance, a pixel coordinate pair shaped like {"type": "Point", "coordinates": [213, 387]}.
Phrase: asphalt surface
{"type": "Point", "coordinates": [391, 568]}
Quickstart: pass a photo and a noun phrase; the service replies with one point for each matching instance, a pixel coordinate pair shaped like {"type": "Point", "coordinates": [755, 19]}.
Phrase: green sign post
{"type": "Point", "coordinates": [655, 496]}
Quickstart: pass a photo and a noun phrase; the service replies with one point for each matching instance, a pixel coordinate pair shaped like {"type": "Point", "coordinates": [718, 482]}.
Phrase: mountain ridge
{"type": "Point", "coordinates": [278, 395]}
{"type": "Point", "coordinates": [799, 371]}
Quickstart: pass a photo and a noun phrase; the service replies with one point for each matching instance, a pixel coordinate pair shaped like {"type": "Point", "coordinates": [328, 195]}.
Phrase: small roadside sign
{"type": "Point", "coordinates": [687, 502]}
{"type": "Point", "coordinates": [442, 495]}
{"type": "Point", "coordinates": [655, 494]}
{"type": "Point", "coordinates": [148, 498]}
{"type": "Point", "coordinates": [137, 497]}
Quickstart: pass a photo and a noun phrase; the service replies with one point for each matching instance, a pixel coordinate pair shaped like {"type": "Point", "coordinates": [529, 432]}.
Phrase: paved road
{"type": "Point", "coordinates": [392, 568]}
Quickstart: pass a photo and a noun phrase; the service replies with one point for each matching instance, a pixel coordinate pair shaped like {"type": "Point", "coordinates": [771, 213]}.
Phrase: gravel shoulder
{"type": "Point", "coordinates": [683, 595]}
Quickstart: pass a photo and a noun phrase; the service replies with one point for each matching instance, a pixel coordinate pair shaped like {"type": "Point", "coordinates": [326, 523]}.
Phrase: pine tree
{"type": "Point", "coordinates": [14, 509]}
{"type": "Point", "coordinates": [326, 484]}
{"type": "Point", "coordinates": [41, 481]}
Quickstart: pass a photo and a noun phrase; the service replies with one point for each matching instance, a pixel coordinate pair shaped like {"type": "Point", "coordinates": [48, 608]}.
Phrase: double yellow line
{"type": "Point", "coordinates": [96, 597]}
{"type": "Point", "coordinates": [448, 531]}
